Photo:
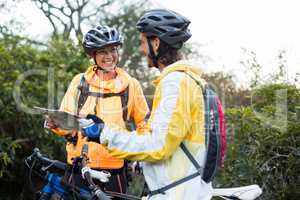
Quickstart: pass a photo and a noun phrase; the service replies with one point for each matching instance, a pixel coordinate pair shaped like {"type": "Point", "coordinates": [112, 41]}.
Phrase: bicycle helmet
{"type": "Point", "coordinates": [100, 37]}
{"type": "Point", "coordinates": [167, 25]}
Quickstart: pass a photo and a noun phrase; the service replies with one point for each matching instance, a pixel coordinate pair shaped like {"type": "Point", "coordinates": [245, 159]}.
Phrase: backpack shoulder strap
{"type": "Point", "coordinates": [83, 88]}
{"type": "Point", "coordinates": [162, 190]}
{"type": "Point", "coordinates": [84, 92]}
{"type": "Point", "coordinates": [124, 101]}
{"type": "Point", "coordinates": [203, 87]}
{"type": "Point", "coordinates": [124, 95]}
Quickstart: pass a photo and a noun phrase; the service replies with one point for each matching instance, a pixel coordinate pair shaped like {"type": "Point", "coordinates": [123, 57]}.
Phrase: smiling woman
{"type": "Point", "coordinates": [107, 91]}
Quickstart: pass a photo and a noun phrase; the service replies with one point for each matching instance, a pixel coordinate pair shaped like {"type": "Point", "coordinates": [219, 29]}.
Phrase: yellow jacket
{"type": "Point", "coordinates": [108, 109]}
{"type": "Point", "coordinates": [177, 116]}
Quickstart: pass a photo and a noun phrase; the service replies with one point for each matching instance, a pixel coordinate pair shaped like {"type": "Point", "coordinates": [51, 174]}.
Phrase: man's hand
{"type": "Point", "coordinates": [91, 126]}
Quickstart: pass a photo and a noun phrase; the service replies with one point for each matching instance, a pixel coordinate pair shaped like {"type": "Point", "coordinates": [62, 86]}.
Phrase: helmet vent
{"type": "Point", "coordinates": [113, 33]}
{"type": "Point", "coordinates": [169, 17]}
{"type": "Point", "coordinates": [160, 29]}
{"type": "Point", "coordinates": [99, 35]}
{"type": "Point", "coordinates": [154, 18]}
{"type": "Point", "coordinates": [143, 24]}
{"type": "Point", "coordinates": [177, 25]}
{"type": "Point", "coordinates": [175, 34]}
{"type": "Point", "coordinates": [106, 34]}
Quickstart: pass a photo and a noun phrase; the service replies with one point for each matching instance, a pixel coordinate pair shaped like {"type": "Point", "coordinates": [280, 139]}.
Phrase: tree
{"type": "Point", "coordinates": [231, 95]}
{"type": "Point", "coordinates": [20, 131]}
{"type": "Point", "coordinates": [71, 14]}
{"type": "Point", "coordinates": [251, 64]}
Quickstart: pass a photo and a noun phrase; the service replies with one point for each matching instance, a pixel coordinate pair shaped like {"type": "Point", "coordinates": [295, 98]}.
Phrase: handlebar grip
{"type": "Point", "coordinates": [102, 176]}
{"type": "Point", "coordinates": [101, 195]}
{"type": "Point", "coordinates": [56, 163]}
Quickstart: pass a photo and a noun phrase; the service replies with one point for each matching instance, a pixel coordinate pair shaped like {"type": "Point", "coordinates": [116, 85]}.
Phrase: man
{"type": "Point", "coordinates": [177, 115]}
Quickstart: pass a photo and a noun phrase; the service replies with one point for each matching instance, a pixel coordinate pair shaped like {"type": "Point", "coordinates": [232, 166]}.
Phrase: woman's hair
{"type": "Point", "coordinates": [167, 54]}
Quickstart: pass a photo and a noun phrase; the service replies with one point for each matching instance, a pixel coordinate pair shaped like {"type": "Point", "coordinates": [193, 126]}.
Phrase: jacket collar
{"type": "Point", "coordinates": [181, 65]}
{"type": "Point", "coordinates": [119, 84]}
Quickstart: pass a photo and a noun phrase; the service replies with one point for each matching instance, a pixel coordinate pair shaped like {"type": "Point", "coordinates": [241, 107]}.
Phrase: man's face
{"type": "Point", "coordinates": [144, 48]}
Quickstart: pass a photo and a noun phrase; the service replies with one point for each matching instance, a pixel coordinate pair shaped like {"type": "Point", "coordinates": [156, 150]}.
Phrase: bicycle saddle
{"type": "Point", "coordinates": [243, 193]}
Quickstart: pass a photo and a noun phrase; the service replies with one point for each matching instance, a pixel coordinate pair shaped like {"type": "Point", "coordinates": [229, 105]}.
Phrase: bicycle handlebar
{"type": "Point", "coordinates": [86, 172]}
{"type": "Point", "coordinates": [51, 163]}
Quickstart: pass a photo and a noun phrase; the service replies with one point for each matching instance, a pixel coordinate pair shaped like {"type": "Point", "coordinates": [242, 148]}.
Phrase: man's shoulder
{"type": "Point", "coordinates": [173, 76]}
{"type": "Point", "coordinates": [172, 79]}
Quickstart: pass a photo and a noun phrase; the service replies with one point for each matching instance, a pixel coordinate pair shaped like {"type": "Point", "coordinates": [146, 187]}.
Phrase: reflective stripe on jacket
{"type": "Point", "coordinates": [108, 109]}
{"type": "Point", "coordinates": [177, 116]}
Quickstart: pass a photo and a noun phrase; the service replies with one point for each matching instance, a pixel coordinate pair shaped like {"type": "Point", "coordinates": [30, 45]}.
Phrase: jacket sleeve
{"type": "Point", "coordinates": [169, 124]}
{"type": "Point", "coordinates": [69, 104]}
{"type": "Point", "coordinates": [140, 108]}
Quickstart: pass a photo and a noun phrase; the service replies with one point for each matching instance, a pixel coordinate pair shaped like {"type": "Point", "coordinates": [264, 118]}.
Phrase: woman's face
{"type": "Point", "coordinates": [107, 57]}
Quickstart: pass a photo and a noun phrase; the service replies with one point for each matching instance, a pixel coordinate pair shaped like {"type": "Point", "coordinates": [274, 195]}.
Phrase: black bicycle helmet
{"type": "Point", "coordinates": [167, 25]}
{"type": "Point", "coordinates": [100, 37]}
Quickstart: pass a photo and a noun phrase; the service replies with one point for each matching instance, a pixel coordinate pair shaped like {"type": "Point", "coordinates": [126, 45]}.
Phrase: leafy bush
{"type": "Point", "coordinates": [262, 152]}
{"type": "Point", "coordinates": [25, 71]}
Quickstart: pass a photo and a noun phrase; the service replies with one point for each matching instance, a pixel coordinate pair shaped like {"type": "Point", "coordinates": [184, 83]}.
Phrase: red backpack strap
{"type": "Point", "coordinates": [223, 136]}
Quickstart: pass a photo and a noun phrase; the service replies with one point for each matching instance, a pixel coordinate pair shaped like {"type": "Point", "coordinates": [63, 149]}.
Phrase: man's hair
{"type": "Point", "coordinates": [166, 53]}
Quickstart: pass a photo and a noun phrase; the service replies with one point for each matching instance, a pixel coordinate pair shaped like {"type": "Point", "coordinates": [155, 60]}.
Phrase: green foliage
{"type": "Point", "coordinates": [25, 71]}
{"type": "Point", "coordinates": [270, 94]}
{"type": "Point", "coordinates": [260, 152]}
{"type": "Point", "coordinates": [8, 149]}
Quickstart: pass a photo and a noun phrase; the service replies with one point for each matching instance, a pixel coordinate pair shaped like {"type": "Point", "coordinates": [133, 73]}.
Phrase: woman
{"type": "Point", "coordinates": [108, 92]}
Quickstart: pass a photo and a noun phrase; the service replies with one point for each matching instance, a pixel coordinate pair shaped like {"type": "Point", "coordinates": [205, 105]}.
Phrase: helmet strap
{"type": "Point", "coordinates": [151, 54]}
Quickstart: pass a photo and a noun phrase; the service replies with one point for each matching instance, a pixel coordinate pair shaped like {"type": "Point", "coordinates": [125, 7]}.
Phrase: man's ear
{"type": "Point", "coordinates": [155, 44]}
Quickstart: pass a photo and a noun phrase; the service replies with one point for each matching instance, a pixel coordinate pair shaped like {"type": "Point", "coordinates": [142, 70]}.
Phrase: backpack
{"type": "Point", "coordinates": [84, 92]}
{"type": "Point", "coordinates": [215, 132]}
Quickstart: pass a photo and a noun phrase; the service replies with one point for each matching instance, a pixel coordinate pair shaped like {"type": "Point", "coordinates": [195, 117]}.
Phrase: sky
{"type": "Point", "coordinates": [262, 26]}
{"type": "Point", "coordinates": [222, 28]}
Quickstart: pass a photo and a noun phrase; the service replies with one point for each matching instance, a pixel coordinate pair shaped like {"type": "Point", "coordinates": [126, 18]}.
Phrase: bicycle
{"type": "Point", "coordinates": [42, 165]}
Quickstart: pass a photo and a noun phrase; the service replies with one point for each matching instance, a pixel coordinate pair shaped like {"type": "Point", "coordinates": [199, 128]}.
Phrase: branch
{"type": "Point", "coordinates": [58, 18]}
{"type": "Point", "coordinates": [108, 2]}
{"type": "Point", "coordinates": [70, 6]}
{"type": "Point", "coordinates": [272, 158]}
